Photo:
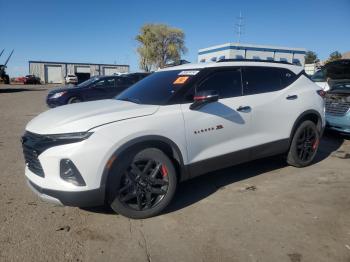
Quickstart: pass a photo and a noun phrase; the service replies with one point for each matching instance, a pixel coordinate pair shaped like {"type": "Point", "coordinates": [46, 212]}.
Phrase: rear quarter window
{"type": "Point", "coordinates": [257, 80]}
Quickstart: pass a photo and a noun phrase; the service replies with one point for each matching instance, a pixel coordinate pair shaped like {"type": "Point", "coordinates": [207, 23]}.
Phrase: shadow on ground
{"type": "Point", "coordinates": [16, 90]}
{"type": "Point", "coordinates": [194, 190]}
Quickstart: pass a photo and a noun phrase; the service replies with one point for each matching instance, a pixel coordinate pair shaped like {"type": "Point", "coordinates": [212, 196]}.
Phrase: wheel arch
{"type": "Point", "coordinates": [169, 147]}
{"type": "Point", "coordinates": [311, 115]}
{"type": "Point", "coordinates": [74, 96]}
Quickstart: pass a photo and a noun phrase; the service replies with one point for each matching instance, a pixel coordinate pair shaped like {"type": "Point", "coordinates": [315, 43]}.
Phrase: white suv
{"type": "Point", "coordinates": [130, 152]}
{"type": "Point", "coordinates": [71, 79]}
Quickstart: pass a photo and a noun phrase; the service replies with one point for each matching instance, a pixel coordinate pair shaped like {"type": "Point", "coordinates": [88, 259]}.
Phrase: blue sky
{"type": "Point", "coordinates": [104, 31]}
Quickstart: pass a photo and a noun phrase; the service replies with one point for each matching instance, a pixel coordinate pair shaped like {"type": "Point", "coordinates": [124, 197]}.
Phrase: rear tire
{"type": "Point", "coordinates": [142, 184]}
{"type": "Point", "coordinates": [304, 145]}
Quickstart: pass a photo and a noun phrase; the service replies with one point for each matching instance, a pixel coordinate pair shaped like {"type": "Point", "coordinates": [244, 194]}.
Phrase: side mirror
{"type": "Point", "coordinates": [204, 97]}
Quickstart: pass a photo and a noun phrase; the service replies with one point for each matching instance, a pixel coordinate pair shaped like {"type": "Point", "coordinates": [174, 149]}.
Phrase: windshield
{"type": "Point", "coordinates": [157, 88]}
{"type": "Point", "coordinates": [319, 76]}
{"type": "Point", "coordinates": [88, 82]}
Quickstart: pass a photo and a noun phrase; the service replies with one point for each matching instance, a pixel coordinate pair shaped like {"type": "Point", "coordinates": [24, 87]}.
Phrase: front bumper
{"type": "Point", "coordinates": [87, 198]}
{"type": "Point", "coordinates": [89, 156]}
{"type": "Point", "coordinates": [51, 102]}
{"type": "Point", "coordinates": [339, 123]}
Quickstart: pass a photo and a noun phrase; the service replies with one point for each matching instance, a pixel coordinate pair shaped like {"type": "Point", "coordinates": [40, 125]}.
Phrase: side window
{"type": "Point", "coordinates": [258, 80]}
{"type": "Point", "coordinates": [110, 82]}
{"type": "Point", "coordinates": [121, 81]}
{"type": "Point", "coordinates": [287, 77]}
{"type": "Point", "coordinates": [227, 83]}
{"type": "Point", "coordinates": [100, 84]}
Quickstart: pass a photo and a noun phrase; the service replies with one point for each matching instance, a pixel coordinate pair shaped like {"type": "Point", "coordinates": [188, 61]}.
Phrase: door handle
{"type": "Point", "coordinates": [245, 109]}
{"type": "Point", "coordinates": [292, 97]}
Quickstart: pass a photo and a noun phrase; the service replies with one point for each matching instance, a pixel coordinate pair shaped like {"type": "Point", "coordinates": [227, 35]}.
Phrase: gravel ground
{"type": "Point", "coordinates": [260, 211]}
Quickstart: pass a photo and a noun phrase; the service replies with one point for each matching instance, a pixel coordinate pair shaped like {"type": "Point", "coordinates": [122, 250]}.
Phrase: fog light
{"type": "Point", "coordinates": [70, 173]}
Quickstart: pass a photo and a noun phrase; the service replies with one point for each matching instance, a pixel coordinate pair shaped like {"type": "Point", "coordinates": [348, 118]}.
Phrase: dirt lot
{"type": "Point", "coordinates": [261, 211]}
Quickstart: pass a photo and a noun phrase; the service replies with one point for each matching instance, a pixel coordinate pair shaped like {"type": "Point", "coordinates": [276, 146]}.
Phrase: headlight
{"type": "Point", "coordinates": [69, 137]}
{"type": "Point", "coordinates": [43, 142]}
{"type": "Point", "coordinates": [59, 94]}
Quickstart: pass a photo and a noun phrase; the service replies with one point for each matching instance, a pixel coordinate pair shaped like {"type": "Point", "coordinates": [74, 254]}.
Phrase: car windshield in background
{"type": "Point", "coordinates": [319, 76]}
{"type": "Point", "coordinates": [155, 89]}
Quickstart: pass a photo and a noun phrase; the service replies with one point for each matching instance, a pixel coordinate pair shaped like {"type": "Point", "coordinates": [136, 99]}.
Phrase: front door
{"type": "Point", "coordinates": [102, 89]}
{"type": "Point", "coordinates": [217, 134]}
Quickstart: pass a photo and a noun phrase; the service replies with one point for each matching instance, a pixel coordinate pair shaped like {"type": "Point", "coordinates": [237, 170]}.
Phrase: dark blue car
{"type": "Point", "coordinates": [96, 88]}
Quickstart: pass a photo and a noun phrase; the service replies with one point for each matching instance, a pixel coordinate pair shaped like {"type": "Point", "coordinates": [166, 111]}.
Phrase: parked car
{"type": "Point", "coordinates": [338, 97]}
{"type": "Point", "coordinates": [71, 79]}
{"type": "Point", "coordinates": [135, 77]}
{"type": "Point", "coordinates": [31, 79]}
{"type": "Point", "coordinates": [175, 124]}
{"type": "Point", "coordinates": [320, 78]}
{"type": "Point", "coordinates": [96, 88]}
{"type": "Point", "coordinates": [331, 71]}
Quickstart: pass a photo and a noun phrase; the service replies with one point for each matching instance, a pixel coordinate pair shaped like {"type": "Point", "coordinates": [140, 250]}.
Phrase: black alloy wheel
{"type": "Point", "coordinates": [304, 145]}
{"type": "Point", "coordinates": [144, 184]}
{"type": "Point", "coordinates": [141, 183]}
{"type": "Point", "coordinates": [307, 143]}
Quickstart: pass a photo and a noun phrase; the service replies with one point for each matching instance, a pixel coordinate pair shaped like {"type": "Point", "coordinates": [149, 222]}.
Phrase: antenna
{"type": "Point", "coordinates": [2, 51]}
{"type": "Point", "coordinates": [239, 26]}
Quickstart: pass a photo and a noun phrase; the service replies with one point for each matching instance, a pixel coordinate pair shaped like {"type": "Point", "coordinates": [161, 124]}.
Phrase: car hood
{"type": "Point", "coordinates": [62, 88]}
{"type": "Point", "coordinates": [84, 116]}
{"type": "Point", "coordinates": [339, 69]}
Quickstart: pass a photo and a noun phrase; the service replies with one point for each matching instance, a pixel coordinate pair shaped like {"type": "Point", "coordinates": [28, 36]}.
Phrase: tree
{"type": "Point", "coordinates": [159, 45]}
{"type": "Point", "coordinates": [311, 57]}
{"type": "Point", "coordinates": [334, 56]}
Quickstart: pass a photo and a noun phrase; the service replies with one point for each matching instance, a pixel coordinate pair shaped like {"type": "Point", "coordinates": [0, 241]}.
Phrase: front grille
{"type": "Point", "coordinates": [32, 161]}
{"type": "Point", "coordinates": [32, 148]}
{"type": "Point", "coordinates": [337, 108]}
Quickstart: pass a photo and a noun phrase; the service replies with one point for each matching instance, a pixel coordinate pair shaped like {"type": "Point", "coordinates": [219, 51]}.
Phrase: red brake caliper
{"type": "Point", "coordinates": [164, 171]}
{"type": "Point", "coordinates": [315, 145]}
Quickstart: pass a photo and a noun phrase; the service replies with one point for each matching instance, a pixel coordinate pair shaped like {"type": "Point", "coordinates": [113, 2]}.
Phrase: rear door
{"type": "Point", "coordinates": [217, 130]}
{"type": "Point", "coordinates": [273, 100]}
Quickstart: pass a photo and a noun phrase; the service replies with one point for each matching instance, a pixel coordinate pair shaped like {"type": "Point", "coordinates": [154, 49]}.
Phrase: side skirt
{"type": "Point", "coordinates": [239, 157]}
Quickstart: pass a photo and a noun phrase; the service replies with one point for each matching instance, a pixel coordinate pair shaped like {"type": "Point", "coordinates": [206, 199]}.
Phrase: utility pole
{"type": "Point", "coordinates": [239, 27]}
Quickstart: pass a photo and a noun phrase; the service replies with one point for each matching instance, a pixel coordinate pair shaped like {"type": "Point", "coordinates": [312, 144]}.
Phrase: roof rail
{"type": "Point", "coordinates": [254, 60]}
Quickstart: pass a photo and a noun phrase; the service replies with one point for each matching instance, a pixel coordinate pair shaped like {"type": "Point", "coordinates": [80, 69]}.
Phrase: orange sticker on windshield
{"type": "Point", "coordinates": [181, 80]}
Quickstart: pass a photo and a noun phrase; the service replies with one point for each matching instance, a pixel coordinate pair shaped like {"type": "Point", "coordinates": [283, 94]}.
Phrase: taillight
{"type": "Point", "coordinates": [321, 93]}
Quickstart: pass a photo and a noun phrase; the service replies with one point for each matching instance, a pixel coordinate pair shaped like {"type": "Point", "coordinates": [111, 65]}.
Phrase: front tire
{"type": "Point", "coordinates": [304, 145]}
{"type": "Point", "coordinates": [142, 184]}
{"type": "Point", "coordinates": [74, 100]}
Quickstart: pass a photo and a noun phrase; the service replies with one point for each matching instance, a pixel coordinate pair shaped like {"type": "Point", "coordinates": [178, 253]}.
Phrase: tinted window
{"type": "Point", "coordinates": [287, 77]}
{"type": "Point", "coordinates": [104, 83]}
{"type": "Point", "coordinates": [319, 76]}
{"type": "Point", "coordinates": [227, 83]}
{"type": "Point", "coordinates": [258, 80]}
{"type": "Point", "coordinates": [110, 82]}
{"type": "Point", "coordinates": [100, 83]}
{"type": "Point", "coordinates": [124, 81]}
{"type": "Point", "coordinates": [155, 89]}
